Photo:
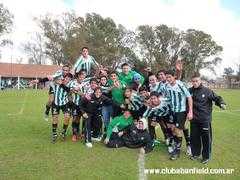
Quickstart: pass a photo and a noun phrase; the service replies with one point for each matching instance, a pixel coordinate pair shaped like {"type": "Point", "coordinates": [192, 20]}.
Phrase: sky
{"type": "Point", "coordinates": [220, 18]}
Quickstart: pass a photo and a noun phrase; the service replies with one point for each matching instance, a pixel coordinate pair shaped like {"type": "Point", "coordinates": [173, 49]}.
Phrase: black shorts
{"type": "Point", "coordinates": [50, 90]}
{"type": "Point", "coordinates": [65, 109]}
{"type": "Point", "coordinates": [76, 110]}
{"type": "Point", "coordinates": [168, 119]}
{"type": "Point", "coordinates": [179, 119]}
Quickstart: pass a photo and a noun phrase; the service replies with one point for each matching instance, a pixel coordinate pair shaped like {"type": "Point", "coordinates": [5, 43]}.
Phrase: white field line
{"type": "Point", "coordinates": [141, 166]}
{"type": "Point", "coordinates": [22, 106]}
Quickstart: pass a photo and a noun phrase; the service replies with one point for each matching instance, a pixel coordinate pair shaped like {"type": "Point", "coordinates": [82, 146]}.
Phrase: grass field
{"type": "Point", "coordinates": [26, 151]}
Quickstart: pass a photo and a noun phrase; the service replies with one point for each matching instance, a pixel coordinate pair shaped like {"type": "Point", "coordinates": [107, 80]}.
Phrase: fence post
{"type": "Point", "coordinates": [18, 83]}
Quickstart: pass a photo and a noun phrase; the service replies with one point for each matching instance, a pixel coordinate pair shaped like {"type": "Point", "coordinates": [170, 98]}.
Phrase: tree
{"type": "Point", "coordinates": [228, 72]}
{"type": "Point", "coordinates": [35, 50]}
{"type": "Point", "coordinates": [6, 22]}
{"type": "Point", "coordinates": [200, 51]}
{"type": "Point", "coordinates": [160, 45]}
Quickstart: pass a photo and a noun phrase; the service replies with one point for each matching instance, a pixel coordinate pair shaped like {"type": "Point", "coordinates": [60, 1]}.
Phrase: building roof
{"type": "Point", "coordinates": [27, 70]}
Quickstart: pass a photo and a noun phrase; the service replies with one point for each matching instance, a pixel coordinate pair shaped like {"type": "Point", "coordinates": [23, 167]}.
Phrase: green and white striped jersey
{"type": "Point", "coordinates": [161, 110]}
{"type": "Point", "coordinates": [60, 94]}
{"type": "Point", "coordinates": [58, 74]}
{"type": "Point", "coordinates": [76, 96]}
{"type": "Point", "coordinates": [85, 63]}
{"type": "Point", "coordinates": [160, 87]}
{"type": "Point", "coordinates": [136, 102]}
{"type": "Point", "coordinates": [177, 96]}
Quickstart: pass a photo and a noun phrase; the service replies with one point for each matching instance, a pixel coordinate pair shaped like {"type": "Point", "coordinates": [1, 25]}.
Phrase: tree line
{"type": "Point", "coordinates": [61, 38]}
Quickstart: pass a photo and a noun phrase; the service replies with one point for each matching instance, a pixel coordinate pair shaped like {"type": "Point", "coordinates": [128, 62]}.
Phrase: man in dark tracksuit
{"type": "Point", "coordinates": [201, 130]}
{"type": "Point", "coordinates": [92, 112]}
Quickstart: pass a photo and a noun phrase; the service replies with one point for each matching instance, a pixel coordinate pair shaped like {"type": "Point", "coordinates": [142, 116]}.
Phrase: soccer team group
{"type": "Point", "coordinates": [124, 107]}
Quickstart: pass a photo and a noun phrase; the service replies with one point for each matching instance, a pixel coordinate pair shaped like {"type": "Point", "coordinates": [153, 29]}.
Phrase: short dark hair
{"type": "Point", "coordinates": [113, 72]}
{"type": "Point", "coordinates": [124, 64]}
{"type": "Point", "coordinates": [170, 72]}
{"type": "Point", "coordinates": [97, 88]}
{"type": "Point", "coordinates": [66, 65]}
{"type": "Point", "coordinates": [161, 71]}
{"type": "Point", "coordinates": [93, 80]}
{"type": "Point", "coordinates": [143, 88]}
{"type": "Point", "coordinates": [154, 93]}
{"type": "Point", "coordinates": [69, 75]}
{"type": "Point", "coordinates": [85, 47]}
{"type": "Point", "coordinates": [196, 75]}
{"type": "Point", "coordinates": [103, 77]}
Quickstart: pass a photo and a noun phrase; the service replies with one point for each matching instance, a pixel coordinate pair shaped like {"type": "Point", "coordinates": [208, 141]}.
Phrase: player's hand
{"type": "Point", "coordinates": [122, 106]}
{"type": "Point", "coordinates": [88, 97]}
{"type": "Point", "coordinates": [223, 106]}
{"type": "Point", "coordinates": [153, 123]}
{"type": "Point", "coordinates": [127, 101]}
{"type": "Point", "coordinates": [50, 78]}
{"type": "Point", "coordinates": [106, 141]}
{"type": "Point", "coordinates": [120, 133]}
{"type": "Point", "coordinates": [179, 65]}
{"type": "Point", "coordinates": [190, 115]}
{"type": "Point", "coordinates": [85, 115]}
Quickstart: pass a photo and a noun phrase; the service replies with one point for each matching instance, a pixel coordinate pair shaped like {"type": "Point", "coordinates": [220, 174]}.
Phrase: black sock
{"type": "Point", "coordinates": [48, 107]}
{"type": "Point", "coordinates": [169, 132]}
{"type": "Point", "coordinates": [187, 136]}
{"type": "Point", "coordinates": [77, 127]}
{"type": "Point", "coordinates": [74, 128]}
{"type": "Point", "coordinates": [65, 126]}
{"type": "Point", "coordinates": [54, 129]}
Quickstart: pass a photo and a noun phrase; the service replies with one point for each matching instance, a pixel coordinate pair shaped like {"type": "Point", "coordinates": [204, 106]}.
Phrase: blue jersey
{"type": "Point", "coordinates": [177, 96]}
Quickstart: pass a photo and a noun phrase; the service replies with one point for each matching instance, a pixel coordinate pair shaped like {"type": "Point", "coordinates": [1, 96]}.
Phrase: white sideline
{"type": "Point", "coordinates": [22, 106]}
{"type": "Point", "coordinates": [141, 166]}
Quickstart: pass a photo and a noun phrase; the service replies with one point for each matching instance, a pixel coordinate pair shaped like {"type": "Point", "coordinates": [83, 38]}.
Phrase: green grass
{"type": "Point", "coordinates": [26, 151]}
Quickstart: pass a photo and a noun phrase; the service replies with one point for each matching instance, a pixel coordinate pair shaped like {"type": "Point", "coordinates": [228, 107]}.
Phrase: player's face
{"type": "Point", "coordinates": [126, 114]}
{"type": "Point", "coordinates": [93, 85]}
{"type": "Point", "coordinates": [65, 70]}
{"type": "Point", "coordinates": [103, 81]}
{"type": "Point", "coordinates": [196, 82]}
{"type": "Point", "coordinates": [152, 80]}
{"type": "Point", "coordinates": [98, 93]}
{"type": "Point", "coordinates": [82, 76]}
{"type": "Point", "coordinates": [113, 77]}
{"type": "Point", "coordinates": [85, 52]}
{"type": "Point", "coordinates": [144, 93]}
{"type": "Point", "coordinates": [161, 76]}
{"type": "Point", "coordinates": [170, 79]}
{"type": "Point", "coordinates": [140, 125]}
{"type": "Point", "coordinates": [128, 93]}
{"type": "Point", "coordinates": [155, 101]}
{"type": "Point", "coordinates": [125, 69]}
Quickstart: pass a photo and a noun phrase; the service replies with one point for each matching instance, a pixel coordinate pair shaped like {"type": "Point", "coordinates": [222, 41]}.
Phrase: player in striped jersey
{"type": "Point", "coordinates": [76, 87]}
{"type": "Point", "coordinates": [178, 97]}
{"type": "Point", "coordinates": [85, 61]}
{"type": "Point", "coordinates": [154, 85]}
{"type": "Point", "coordinates": [58, 74]}
{"type": "Point", "coordinates": [61, 102]}
{"type": "Point", "coordinates": [134, 102]}
{"type": "Point", "coordinates": [157, 113]}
